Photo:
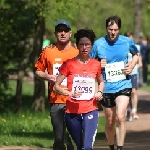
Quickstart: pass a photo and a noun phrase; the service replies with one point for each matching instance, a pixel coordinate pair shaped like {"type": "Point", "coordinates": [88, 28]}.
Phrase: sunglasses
{"type": "Point", "coordinates": [61, 30]}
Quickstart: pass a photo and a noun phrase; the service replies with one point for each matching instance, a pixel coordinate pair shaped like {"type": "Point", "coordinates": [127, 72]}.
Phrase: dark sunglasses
{"type": "Point", "coordinates": [61, 30]}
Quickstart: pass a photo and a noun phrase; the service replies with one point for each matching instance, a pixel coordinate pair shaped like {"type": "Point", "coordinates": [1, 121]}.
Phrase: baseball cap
{"type": "Point", "coordinates": [62, 21]}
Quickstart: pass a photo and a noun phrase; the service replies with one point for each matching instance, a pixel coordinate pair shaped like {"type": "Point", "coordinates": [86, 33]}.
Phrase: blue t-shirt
{"type": "Point", "coordinates": [114, 52]}
{"type": "Point", "coordinates": [135, 70]}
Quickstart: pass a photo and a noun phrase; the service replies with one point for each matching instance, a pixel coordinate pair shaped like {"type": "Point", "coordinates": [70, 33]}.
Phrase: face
{"type": "Point", "coordinates": [112, 32]}
{"type": "Point", "coordinates": [63, 33]}
{"type": "Point", "coordinates": [84, 47]}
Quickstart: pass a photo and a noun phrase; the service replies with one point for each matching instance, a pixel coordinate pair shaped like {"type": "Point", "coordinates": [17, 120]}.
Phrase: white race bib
{"type": "Point", "coordinates": [114, 72]}
{"type": "Point", "coordinates": [87, 85]}
{"type": "Point", "coordinates": [56, 72]}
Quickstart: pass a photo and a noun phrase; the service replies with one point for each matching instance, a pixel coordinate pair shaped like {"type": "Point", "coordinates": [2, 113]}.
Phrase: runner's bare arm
{"type": "Point", "coordinates": [130, 65]}
{"type": "Point", "coordinates": [99, 94]}
{"type": "Point", "coordinates": [103, 62]}
{"type": "Point", "coordinates": [44, 76]}
{"type": "Point", "coordinates": [58, 89]}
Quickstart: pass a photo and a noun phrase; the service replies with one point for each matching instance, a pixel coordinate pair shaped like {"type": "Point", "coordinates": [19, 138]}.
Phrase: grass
{"type": "Point", "coordinates": [29, 128]}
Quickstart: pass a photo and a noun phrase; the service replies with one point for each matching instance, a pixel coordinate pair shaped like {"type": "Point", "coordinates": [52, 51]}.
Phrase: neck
{"type": "Point", "coordinates": [63, 46]}
{"type": "Point", "coordinates": [83, 60]}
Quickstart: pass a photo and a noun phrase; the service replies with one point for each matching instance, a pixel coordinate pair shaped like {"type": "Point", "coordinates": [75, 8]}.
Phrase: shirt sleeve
{"type": "Point", "coordinates": [63, 69]}
{"type": "Point", "coordinates": [41, 63]}
{"type": "Point", "coordinates": [93, 52]}
{"type": "Point", "coordinates": [99, 71]}
{"type": "Point", "coordinates": [133, 48]}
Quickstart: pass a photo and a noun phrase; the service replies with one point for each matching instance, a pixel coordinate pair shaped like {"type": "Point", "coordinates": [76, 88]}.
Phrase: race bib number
{"type": "Point", "coordinates": [114, 72]}
{"type": "Point", "coordinates": [87, 85]}
{"type": "Point", "coordinates": [56, 72]}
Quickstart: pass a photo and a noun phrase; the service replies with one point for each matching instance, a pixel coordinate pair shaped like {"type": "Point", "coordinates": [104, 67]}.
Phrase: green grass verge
{"type": "Point", "coordinates": [29, 128]}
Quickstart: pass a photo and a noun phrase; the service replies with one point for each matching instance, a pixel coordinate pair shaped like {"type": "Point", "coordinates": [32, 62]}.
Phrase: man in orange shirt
{"type": "Point", "coordinates": [51, 59]}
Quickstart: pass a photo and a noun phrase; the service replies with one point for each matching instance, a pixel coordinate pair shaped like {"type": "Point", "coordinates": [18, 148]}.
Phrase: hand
{"type": "Point", "coordinates": [99, 95]}
{"type": "Point", "coordinates": [140, 65]}
{"type": "Point", "coordinates": [76, 94]}
{"type": "Point", "coordinates": [128, 68]}
{"type": "Point", "coordinates": [103, 62]}
{"type": "Point", "coordinates": [51, 78]}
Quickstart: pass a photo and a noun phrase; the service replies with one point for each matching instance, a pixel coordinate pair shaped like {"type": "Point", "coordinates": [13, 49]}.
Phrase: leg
{"type": "Point", "coordinates": [134, 97]}
{"type": "Point", "coordinates": [69, 142]}
{"type": "Point", "coordinates": [134, 103]}
{"type": "Point", "coordinates": [109, 108]}
{"type": "Point", "coordinates": [110, 114]}
{"type": "Point", "coordinates": [140, 76]}
{"type": "Point", "coordinates": [145, 72]}
{"type": "Point", "coordinates": [129, 112]}
{"type": "Point", "coordinates": [89, 125]}
{"type": "Point", "coordinates": [121, 106]}
{"type": "Point", "coordinates": [57, 113]}
{"type": "Point", "coordinates": [74, 127]}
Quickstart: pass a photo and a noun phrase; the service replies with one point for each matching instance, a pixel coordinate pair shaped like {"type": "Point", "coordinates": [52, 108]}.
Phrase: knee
{"type": "Point", "coordinates": [120, 119]}
{"type": "Point", "coordinates": [133, 91]}
{"type": "Point", "coordinates": [110, 124]}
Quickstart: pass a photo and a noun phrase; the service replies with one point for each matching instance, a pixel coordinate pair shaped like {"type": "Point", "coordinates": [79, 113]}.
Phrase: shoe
{"type": "Point", "coordinates": [129, 118]}
{"type": "Point", "coordinates": [128, 115]}
{"type": "Point", "coordinates": [135, 116]}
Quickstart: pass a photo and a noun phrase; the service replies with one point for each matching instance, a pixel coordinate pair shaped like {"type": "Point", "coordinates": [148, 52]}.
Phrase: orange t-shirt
{"type": "Point", "coordinates": [51, 59]}
{"type": "Point", "coordinates": [81, 77]}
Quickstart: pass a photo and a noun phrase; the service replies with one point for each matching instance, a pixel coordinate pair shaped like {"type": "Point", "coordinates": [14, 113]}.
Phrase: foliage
{"type": "Point", "coordinates": [18, 20]}
{"type": "Point", "coordinates": [93, 15]}
{"type": "Point", "coordinates": [15, 42]}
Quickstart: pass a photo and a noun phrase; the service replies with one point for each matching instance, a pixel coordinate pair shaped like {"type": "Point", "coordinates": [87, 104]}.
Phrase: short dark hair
{"type": "Point", "coordinates": [88, 33]}
{"type": "Point", "coordinates": [112, 20]}
{"type": "Point", "coordinates": [129, 33]}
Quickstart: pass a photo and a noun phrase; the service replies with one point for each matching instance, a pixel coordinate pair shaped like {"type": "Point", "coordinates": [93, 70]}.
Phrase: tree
{"type": "Point", "coordinates": [39, 86]}
{"type": "Point", "coordinates": [39, 92]}
{"type": "Point", "coordinates": [138, 5]}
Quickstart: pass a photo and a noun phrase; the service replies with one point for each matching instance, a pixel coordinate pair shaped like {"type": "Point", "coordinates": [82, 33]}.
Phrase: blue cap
{"type": "Point", "coordinates": [62, 21]}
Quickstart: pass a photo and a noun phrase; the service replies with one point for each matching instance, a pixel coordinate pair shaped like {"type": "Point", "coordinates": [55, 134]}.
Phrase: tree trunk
{"type": "Point", "coordinates": [39, 95]}
{"type": "Point", "coordinates": [39, 91]}
{"type": "Point", "coordinates": [138, 4]}
{"type": "Point", "coordinates": [39, 86]}
{"type": "Point", "coordinates": [18, 96]}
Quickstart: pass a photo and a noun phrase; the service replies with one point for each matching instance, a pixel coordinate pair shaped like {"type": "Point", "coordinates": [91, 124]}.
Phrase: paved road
{"type": "Point", "coordinates": [138, 131]}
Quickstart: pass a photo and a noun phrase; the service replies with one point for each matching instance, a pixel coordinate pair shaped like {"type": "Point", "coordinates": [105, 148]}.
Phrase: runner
{"type": "Point", "coordinates": [81, 106]}
{"type": "Point", "coordinates": [132, 108]}
{"type": "Point", "coordinates": [112, 50]}
{"type": "Point", "coordinates": [51, 59]}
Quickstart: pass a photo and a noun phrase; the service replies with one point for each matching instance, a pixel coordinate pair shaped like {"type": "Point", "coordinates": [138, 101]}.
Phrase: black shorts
{"type": "Point", "coordinates": [108, 100]}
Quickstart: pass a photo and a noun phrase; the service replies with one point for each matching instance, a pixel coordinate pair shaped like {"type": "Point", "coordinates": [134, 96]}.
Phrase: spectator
{"type": "Point", "coordinates": [144, 54]}
{"type": "Point", "coordinates": [132, 107]}
{"type": "Point", "coordinates": [46, 41]}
